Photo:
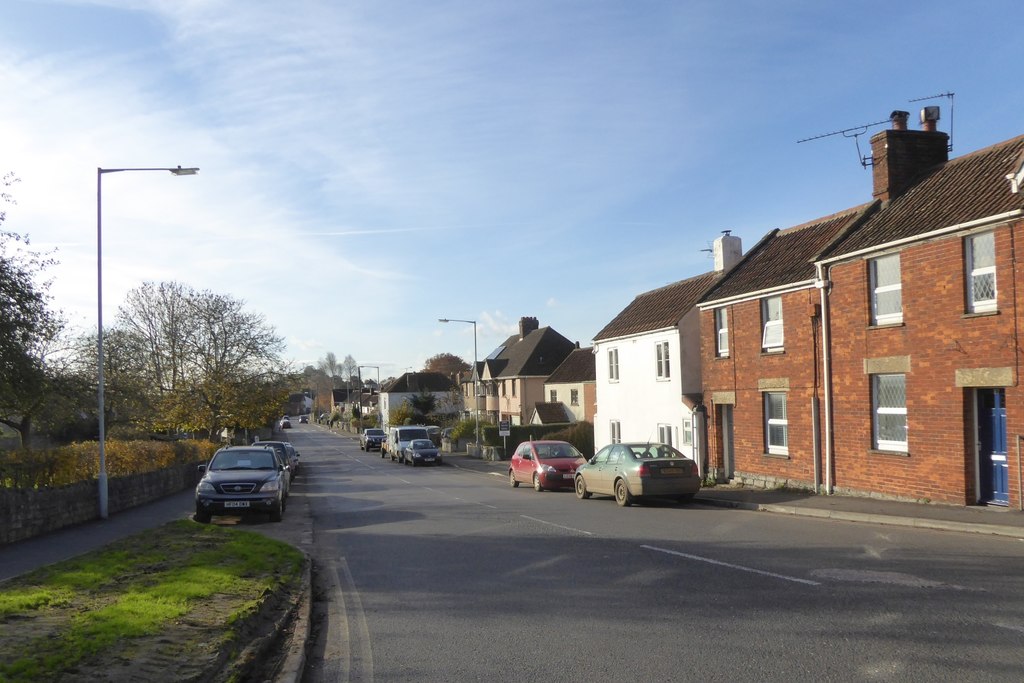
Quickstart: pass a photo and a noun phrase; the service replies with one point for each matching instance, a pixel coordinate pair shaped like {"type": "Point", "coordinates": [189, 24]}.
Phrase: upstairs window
{"type": "Point", "coordinates": [574, 397]}
{"type": "Point", "coordinates": [554, 396]}
{"type": "Point", "coordinates": [981, 273]}
{"type": "Point", "coordinates": [886, 290]}
{"type": "Point", "coordinates": [771, 320]}
{"type": "Point", "coordinates": [613, 365]}
{"type": "Point", "coordinates": [661, 349]}
{"type": "Point", "coordinates": [722, 332]}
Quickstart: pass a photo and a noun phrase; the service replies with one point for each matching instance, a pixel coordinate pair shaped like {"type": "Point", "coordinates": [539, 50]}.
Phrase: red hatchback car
{"type": "Point", "coordinates": [545, 464]}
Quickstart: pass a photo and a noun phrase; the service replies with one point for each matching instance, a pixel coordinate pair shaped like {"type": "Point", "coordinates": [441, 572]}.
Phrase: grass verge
{"type": "Point", "coordinates": [172, 603]}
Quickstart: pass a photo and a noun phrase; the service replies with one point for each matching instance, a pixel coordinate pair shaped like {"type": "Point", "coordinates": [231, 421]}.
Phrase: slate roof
{"type": "Point", "coordinates": [417, 382]}
{"type": "Point", "coordinates": [658, 308]}
{"type": "Point", "coordinates": [579, 366]}
{"type": "Point", "coordinates": [785, 257]}
{"type": "Point", "coordinates": [964, 189]}
{"type": "Point", "coordinates": [551, 413]}
{"type": "Point", "coordinates": [535, 355]}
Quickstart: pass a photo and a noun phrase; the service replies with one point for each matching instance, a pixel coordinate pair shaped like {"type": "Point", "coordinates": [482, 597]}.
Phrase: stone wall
{"type": "Point", "coordinates": [33, 512]}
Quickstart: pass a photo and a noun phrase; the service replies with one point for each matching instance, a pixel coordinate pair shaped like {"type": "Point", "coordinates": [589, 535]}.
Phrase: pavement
{"type": "Point", "coordinates": [23, 556]}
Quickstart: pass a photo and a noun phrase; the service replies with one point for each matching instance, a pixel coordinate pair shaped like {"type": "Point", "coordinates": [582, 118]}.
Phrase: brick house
{"type": "Point", "coordinates": [760, 357]}
{"type": "Point", "coordinates": [649, 367]}
{"type": "Point", "coordinates": [899, 375]}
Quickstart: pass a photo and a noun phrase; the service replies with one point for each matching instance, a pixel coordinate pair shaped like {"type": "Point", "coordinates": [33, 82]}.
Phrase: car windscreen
{"type": "Point", "coordinates": [243, 460]}
{"type": "Point", "coordinates": [410, 434]}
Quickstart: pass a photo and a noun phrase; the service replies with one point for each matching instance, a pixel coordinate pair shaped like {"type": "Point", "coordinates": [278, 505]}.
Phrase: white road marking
{"type": "Point", "coordinates": [732, 566]}
{"type": "Point", "coordinates": [567, 528]}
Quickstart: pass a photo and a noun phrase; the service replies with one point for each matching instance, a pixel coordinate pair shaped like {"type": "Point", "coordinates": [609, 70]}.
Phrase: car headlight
{"type": "Point", "coordinates": [272, 485]}
{"type": "Point", "coordinates": [549, 469]}
{"type": "Point", "coordinates": [205, 487]}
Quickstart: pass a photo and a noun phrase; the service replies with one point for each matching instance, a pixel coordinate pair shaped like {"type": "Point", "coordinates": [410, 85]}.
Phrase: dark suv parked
{"type": "Point", "coordinates": [240, 480]}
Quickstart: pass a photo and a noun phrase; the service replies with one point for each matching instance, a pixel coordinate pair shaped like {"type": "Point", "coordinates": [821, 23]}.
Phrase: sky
{"type": "Point", "coordinates": [369, 167]}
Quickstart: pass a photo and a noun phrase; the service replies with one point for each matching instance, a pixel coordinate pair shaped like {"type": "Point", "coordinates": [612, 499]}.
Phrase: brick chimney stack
{"type": "Point", "coordinates": [899, 155]}
{"type": "Point", "coordinates": [527, 325]}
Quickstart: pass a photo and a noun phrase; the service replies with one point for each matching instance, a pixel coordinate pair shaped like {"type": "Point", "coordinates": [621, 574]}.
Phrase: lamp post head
{"type": "Point", "coordinates": [184, 171]}
{"type": "Point", "coordinates": [442, 320]}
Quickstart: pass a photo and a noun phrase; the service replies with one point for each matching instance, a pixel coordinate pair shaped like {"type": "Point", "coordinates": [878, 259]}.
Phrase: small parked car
{"type": "Point", "coordinates": [239, 480]}
{"type": "Point", "coordinates": [371, 438]}
{"type": "Point", "coordinates": [303, 419]}
{"type": "Point", "coordinates": [630, 471]}
{"type": "Point", "coordinates": [285, 423]}
{"type": "Point", "coordinates": [421, 452]}
{"type": "Point", "coordinates": [544, 465]}
{"type": "Point", "coordinates": [434, 433]}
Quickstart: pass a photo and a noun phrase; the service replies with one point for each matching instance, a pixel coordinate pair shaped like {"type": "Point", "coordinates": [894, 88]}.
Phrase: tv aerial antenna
{"type": "Point", "coordinates": [856, 131]}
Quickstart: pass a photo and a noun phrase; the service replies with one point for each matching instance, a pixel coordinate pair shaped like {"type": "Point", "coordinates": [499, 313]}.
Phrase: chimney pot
{"type": "Point", "coordinates": [899, 119]}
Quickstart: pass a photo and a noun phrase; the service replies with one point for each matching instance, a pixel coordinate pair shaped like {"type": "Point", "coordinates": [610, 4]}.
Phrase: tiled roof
{"type": "Point", "coordinates": [659, 308]}
{"type": "Point", "coordinates": [537, 354]}
{"type": "Point", "coordinates": [786, 256]}
{"type": "Point", "coordinates": [416, 382]}
{"type": "Point", "coordinates": [580, 366]}
{"type": "Point", "coordinates": [964, 189]}
{"type": "Point", "coordinates": [551, 413]}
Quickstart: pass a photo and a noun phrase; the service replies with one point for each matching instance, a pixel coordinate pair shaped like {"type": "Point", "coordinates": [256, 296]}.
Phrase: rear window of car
{"type": "Point", "coordinates": [421, 443]}
{"type": "Point", "coordinates": [410, 434]}
{"type": "Point", "coordinates": [375, 432]}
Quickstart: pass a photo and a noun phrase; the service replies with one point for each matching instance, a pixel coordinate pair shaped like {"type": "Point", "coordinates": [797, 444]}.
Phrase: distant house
{"type": "Point", "coordinates": [511, 379]}
{"type": "Point", "coordinates": [573, 385]}
{"type": "Point", "coordinates": [411, 384]}
{"type": "Point", "coordinates": [648, 369]}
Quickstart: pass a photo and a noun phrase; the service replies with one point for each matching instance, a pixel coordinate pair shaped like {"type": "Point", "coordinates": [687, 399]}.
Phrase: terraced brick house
{"type": "Point", "coordinates": [898, 374]}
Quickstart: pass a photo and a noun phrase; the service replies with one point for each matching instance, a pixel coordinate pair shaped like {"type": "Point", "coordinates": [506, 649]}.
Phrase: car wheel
{"type": "Point", "coordinates": [512, 480]}
{"type": "Point", "coordinates": [536, 483]}
{"type": "Point", "coordinates": [203, 517]}
{"type": "Point", "coordinates": [411, 461]}
{"type": "Point", "coordinates": [276, 515]}
{"type": "Point", "coordinates": [622, 495]}
{"type": "Point", "coordinates": [581, 488]}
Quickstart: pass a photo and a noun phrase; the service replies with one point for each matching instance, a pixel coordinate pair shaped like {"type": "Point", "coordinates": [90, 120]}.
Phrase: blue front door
{"type": "Point", "coordinates": [995, 471]}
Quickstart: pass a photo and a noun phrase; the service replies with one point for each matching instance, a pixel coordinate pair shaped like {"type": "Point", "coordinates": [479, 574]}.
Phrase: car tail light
{"type": "Point", "coordinates": [645, 470]}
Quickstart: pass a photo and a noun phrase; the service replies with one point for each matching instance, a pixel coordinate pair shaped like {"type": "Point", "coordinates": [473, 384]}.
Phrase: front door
{"type": "Point", "coordinates": [728, 466]}
{"type": "Point", "coordinates": [994, 468]}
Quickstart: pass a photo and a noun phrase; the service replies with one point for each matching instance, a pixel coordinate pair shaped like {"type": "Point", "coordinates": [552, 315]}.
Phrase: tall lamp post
{"type": "Point", "coordinates": [102, 478]}
{"type": "Point", "coordinates": [380, 418]}
{"type": "Point", "coordinates": [476, 398]}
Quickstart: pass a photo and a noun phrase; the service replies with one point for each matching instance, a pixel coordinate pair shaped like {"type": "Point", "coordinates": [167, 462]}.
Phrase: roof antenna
{"type": "Point", "coordinates": [854, 133]}
{"type": "Point", "coordinates": [949, 96]}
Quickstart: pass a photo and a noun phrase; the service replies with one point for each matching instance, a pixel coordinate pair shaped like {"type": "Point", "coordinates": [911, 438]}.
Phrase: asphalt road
{"type": "Point", "coordinates": [448, 574]}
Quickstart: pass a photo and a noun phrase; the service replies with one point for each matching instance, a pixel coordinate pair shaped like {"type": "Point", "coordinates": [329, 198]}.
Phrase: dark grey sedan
{"type": "Point", "coordinates": [422, 452]}
{"type": "Point", "coordinates": [629, 471]}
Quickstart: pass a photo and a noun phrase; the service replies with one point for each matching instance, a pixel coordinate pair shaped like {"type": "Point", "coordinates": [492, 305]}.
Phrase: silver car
{"type": "Point", "coordinates": [629, 471]}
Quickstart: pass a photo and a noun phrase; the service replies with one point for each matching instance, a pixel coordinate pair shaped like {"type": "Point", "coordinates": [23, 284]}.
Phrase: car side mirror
{"type": "Point", "coordinates": [202, 468]}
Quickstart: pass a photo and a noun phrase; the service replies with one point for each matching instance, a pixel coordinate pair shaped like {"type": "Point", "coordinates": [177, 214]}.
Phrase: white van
{"type": "Point", "coordinates": [399, 438]}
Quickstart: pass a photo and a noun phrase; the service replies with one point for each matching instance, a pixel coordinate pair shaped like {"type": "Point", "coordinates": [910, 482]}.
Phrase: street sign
{"type": "Point", "coordinates": [504, 427]}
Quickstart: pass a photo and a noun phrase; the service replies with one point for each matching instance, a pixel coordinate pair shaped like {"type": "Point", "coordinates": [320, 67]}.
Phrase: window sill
{"type": "Point", "coordinates": [898, 454]}
{"type": "Point", "coordinates": [773, 352]}
{"type": "Point", "coordinates": [776, 456]}
{"type": "Point", "coordinates": [722, 356]}
{"type": "Point", "coordinates": [979, 314]}
{"type": "Point", "coordinates": [886, 326]}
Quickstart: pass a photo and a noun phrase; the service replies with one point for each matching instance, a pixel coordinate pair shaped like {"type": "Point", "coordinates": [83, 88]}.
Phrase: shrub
{"type": "Point", "coordinates": [80, 461]}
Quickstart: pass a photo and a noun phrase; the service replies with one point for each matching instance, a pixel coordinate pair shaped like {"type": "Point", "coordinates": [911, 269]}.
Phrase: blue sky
{"type": "Point", "coordinates": [369, 167]}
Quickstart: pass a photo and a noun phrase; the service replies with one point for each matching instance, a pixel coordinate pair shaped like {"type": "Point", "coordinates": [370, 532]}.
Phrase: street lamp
{"type": "Point", "coordinates": [380, 417]}
{"type": "Point", "coordinates": [476, 398]}
{"type": "Point", "coordinates": [102, 478]}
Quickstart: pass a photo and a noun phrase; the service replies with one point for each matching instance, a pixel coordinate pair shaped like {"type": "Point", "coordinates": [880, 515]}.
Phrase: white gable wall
{"type": "Point", "coordinates": [639, 400]}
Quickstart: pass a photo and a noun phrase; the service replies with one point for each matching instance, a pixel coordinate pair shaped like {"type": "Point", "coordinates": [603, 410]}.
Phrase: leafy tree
{"type": "Point", "coordinates": [29, 330]}
{"type": "Point", "coordinates": [447, 364]}
{"type": "Point", "coordinates": [422, 404]}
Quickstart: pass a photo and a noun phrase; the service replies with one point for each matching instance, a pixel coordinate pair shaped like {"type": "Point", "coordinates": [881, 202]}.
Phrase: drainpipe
{"type": "Point", "coordinates": [1020, 491]}
{"type": "Point", "coordinates": [823, 285]}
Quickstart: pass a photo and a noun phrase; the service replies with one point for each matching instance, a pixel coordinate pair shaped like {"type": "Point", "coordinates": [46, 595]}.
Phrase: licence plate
{"type": "Point", "coordinates": [567, 475]}
{"type": "Point", "coordinates": [428, 460]}
{"type": "Point", "coordinates": [236, 504]}
{"type": "Point", "coordinates": [671, 471]}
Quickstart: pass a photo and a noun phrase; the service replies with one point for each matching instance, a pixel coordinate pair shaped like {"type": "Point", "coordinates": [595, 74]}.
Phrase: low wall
{"type": "Point", "coordinates": [33, 512]}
